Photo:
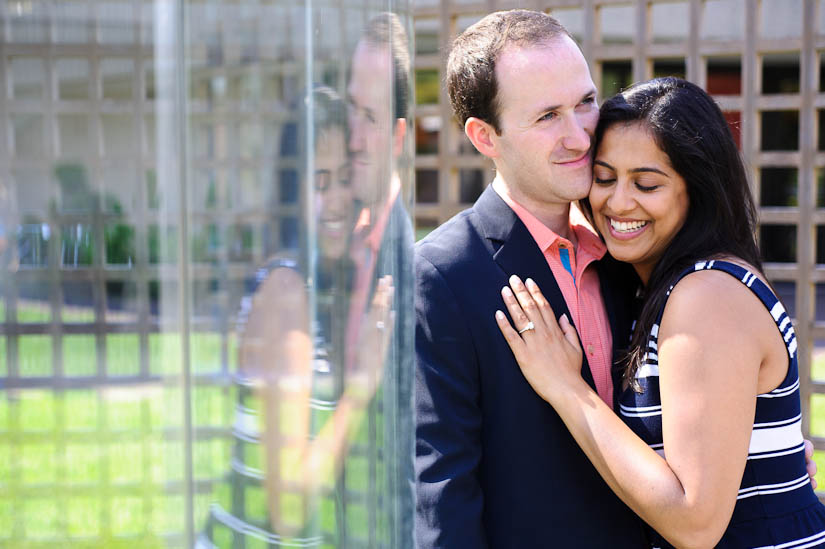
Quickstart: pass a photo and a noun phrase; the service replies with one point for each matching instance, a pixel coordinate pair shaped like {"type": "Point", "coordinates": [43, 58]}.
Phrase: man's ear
{"type": "Point", "coordinates": [482, 136]}
{"type": "Point", "coordinates": [398, 133]}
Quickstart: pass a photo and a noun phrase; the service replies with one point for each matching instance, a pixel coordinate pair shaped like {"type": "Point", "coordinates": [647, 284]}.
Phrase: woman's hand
{"type": "Point", "coordinates": [548, 352]}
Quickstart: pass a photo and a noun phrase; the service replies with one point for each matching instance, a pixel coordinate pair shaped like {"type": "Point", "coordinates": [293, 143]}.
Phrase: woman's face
{"type": "Point", "coordinates": [639, 201]}
{"type": "Point", "coordinates": [334, 197]}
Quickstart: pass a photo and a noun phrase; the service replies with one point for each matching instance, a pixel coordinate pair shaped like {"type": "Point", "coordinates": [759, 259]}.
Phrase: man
{"type": "Point", "coordinates": [378, 97]}
{"type": "Point", "coordinates": [495, 465]}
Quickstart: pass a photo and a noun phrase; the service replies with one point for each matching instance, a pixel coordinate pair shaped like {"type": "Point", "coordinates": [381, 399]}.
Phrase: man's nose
{"type": "Point", "coordinates": [576, 138]}
{"type": "Point", "coordinates": [356, 133]}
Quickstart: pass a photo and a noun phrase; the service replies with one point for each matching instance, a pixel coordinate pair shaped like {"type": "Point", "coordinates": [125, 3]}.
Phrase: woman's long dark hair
{"type": "Point", "coordinates": [688, 126]}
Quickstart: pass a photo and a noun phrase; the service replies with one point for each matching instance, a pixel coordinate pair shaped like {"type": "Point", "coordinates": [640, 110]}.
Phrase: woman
{"type": "Point", "coordinates": [297, 408]}
{"type": "Point", "coordinates": [708, 449]}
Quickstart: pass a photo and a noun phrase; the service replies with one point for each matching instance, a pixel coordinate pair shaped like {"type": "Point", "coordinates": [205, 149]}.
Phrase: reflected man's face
{"type": "Point", "coordinates": [371, 122]}
{"type": "Point", "coordinates": [334, 194]}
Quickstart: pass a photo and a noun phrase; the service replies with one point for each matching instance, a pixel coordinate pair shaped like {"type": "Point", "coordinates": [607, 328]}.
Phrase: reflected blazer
{"type": "Point", "coordinates": [495, 466]}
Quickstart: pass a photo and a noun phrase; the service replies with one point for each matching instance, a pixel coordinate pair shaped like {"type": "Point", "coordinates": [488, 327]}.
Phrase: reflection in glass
{"type": "Point", "coordinates": [28, 78]}
{"type": "Point", "coordinates": [178, 198]}
{"type": "Point", "coordinates": [78, 302]}
{"type": "Point", "coordinates": [28, 136]}
{"type": "Point", "coordinates": [72, 75]}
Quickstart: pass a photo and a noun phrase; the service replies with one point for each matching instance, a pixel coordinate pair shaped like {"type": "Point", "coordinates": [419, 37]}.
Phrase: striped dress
{"type": "Point", "coordinates": [776, 506]}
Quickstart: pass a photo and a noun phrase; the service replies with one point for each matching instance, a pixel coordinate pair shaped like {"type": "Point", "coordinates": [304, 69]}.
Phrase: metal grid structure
{"type": "Point", "coordinates": [760, 59]}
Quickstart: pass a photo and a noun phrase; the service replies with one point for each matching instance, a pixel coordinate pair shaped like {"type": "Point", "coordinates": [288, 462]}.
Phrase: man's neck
{"type": "Point", "coordinates": [555, 217]}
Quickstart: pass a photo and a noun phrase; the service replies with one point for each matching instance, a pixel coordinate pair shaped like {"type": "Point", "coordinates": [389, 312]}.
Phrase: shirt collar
{"type": "Point", "coordinates": [588, 243]}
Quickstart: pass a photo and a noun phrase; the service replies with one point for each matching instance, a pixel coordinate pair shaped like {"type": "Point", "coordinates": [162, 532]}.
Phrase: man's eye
{"type": "Point", "coordinates": [548, 116]}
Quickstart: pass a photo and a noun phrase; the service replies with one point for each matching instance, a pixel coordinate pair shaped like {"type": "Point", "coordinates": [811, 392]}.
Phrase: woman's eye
{"type": "Point", "coordinates": [646, 188]}
{"type": "Point", "coordinates": [603, 180]}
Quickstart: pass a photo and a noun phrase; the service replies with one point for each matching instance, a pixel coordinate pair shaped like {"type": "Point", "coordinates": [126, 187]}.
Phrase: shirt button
{"type": "Point", "coordinates": [590, 349]}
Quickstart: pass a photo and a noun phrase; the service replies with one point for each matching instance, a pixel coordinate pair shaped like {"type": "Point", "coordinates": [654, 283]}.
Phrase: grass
{"type": "Point", "coordinates": [104, 467]}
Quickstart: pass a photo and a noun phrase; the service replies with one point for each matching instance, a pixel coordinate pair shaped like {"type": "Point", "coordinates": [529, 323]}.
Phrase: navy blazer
{"type": "Point", "coordinates": [495, 465]}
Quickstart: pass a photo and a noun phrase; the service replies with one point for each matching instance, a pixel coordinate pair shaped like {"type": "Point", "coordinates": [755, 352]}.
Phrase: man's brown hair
{"type": "Point", "coordinates": [471, 65]}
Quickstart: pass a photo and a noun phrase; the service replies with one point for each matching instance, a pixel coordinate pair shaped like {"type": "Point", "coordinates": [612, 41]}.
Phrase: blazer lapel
{"type": "Point", "coordinates": [517, 253]}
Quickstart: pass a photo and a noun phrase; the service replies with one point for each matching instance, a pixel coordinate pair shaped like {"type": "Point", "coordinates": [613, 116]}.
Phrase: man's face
{"type": "Point", "coordinates": [371, 123]}
{"type": "Point", "coordinates": [547, 116]}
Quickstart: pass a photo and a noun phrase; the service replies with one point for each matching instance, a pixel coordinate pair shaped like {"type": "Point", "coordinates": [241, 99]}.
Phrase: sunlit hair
{"type": "Point", "coordinates": [688, 126]}
{"type": "Point", "coordinates": [471, 66]}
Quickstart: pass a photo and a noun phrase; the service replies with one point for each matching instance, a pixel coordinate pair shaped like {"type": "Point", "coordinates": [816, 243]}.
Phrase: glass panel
{"type": "Point", "coordinates": [820, 259]}
{"type": "Point", "coordinates": [617, 24]}
{"type": "Point", "coordinates": [427, 86]}
{"type": "Point", "coordinates": [820, 123]}
{"type": "Point", "coordinates": [78, 302]}
{"type": "Point", "coordinates": [778, 187]}
{"type": "Point", "coordinates": [670, 22]}
{"type": "Point", "coordinates": [781, 19]}
{"type": "Point", "coordinates": [778, 243]}
{"type": "Point", "coordinates": [734, 120]}
{"type": "Point", "coordinates": [786, 292]}
{"type": "Point", "coordinates": [471, 184]}
{"type": "Point", "coordinates": [74, 137]}
{"type": "Point", "coordinates": [72, 77]}
{"type": "Point", "coordinates": [278, 136]}
{"type": "Point", "coordinates": [724, 75]}
{"type": "Point", "coordinates": [780, 73]}
{"type": "Point", "coordinates": [723, 20]}
{"type": "Point", "coordinates": [423, 226]}
{"type": "Point", "coordinates": [616, 75]}
{"type": "Point", "coordinates": [427, 129]}
{"type": "Point", "coordinates": [572, 19]}
{"type": "Point", "coordinates": [29, 136]}
{"type": "Point", "coordinates": [780, 130]}
{"type": "Point", "coordinates": [669, 67]}
{"type": "Point", "coordinates": [426, 186]}
{"type": "Point", "coordinates": [28, 78]}
{"type": "Point", "coordinates": [117, 75]}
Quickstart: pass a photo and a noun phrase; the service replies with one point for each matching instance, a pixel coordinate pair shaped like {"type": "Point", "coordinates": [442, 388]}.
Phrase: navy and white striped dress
{"type": "Point", "coordinates": [776, 506]}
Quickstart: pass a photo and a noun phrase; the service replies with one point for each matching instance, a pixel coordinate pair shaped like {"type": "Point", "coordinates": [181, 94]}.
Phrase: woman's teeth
{"type": "Point", "coordinates": [627, 226]}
